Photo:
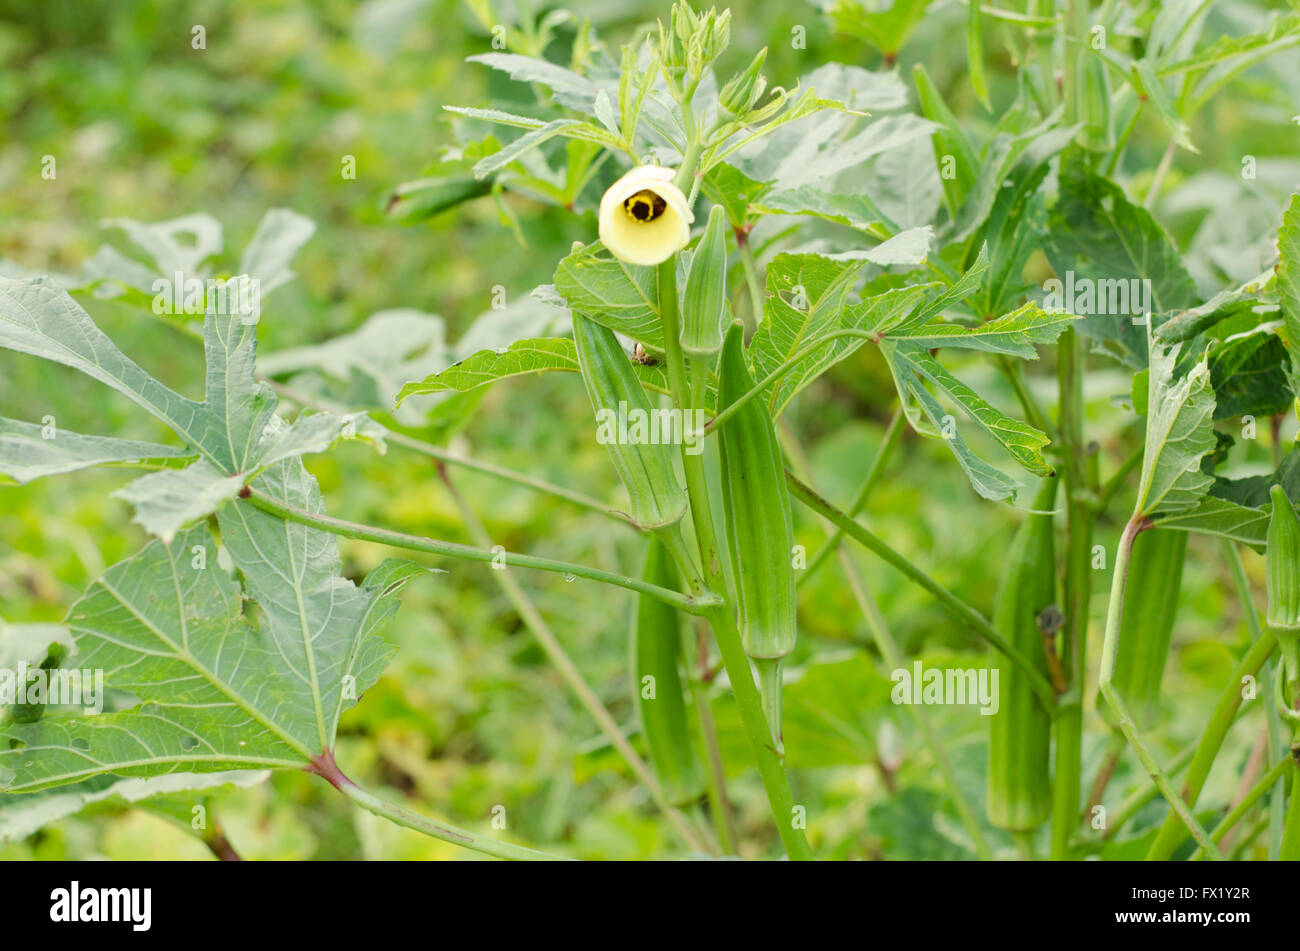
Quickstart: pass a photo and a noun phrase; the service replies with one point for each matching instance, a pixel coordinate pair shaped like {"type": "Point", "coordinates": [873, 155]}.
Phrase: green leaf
{"type": "Point", "coordinates": [160, 241]}
{"type": "Point", "coordinates": [975, 52]}
{"type": "Point", "coordinates": [1099, 235]}
{"type": "Point", "coordinates": [885, 26]}
{"type": "Point", "coordinates": [570, 89]}
{"type": "Point", "coordinates": [914, 371]}
{"type": "Point", "coordinates": [1014, 230]}
{"type": "Point", "coordinates": [1249, 374]}
{"type": "Point", "coordinates": [1288, 284]}
{"type": "Point", "coordinates": [218, 689]}
{"type": "Point", "coordinates": [22, 815]}
{"type": "Point", "coordinates": [35, 645]}
{"type": "Point", "coordinates": [727, 186]}
{"type": "Point", "coordinates": [1015, 334]}
{"type": "Point", "coordinates": [166, 501]}
{"type": "Point", "coordinates": [26, 453]}
{"type": "Point", "coordinates": [521, 358]}
{"type": "Point", "coordinates": [279, 236]}
{"type": "Point", "coordinates": [623, 297]}
{"type": "Point", "coordinates": [1152, 88]}
{"type": "Point", "coordinates": [1179, 432]}
{"type": "Point", "coordinates": [486, 166]}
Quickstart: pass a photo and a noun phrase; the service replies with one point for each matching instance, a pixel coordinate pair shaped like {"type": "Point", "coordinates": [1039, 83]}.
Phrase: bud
{"type": "Point", "coordinates": [744, 89]}
{"type": "Point", "coordinates": [704, 313]}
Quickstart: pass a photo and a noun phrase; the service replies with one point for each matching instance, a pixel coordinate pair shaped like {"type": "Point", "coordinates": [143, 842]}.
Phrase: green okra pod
{"type": "Point", "coordinates": [646, 468]}
{"type": "Point", "coordinates": [760, 527]}
{"type": "Point", "coordinates": [704, 309]}
{"type": "Point", "coordinates": [656, 648]}
{"type": "Point", "coordinates": [1155, 578]}
{"type": "Point", "coordinates": [1020, 732]}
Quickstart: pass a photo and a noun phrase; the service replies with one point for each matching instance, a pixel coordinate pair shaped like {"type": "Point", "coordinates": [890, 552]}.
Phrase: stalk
{"type": "Point", "coordinates": [1207, 748]}
{"type": "Point", "coordinates": [1127, 724]}
{"type": "Point", "coordinates": [893, 435]}
{"type": "Point", "coordinates": [1275, 776]}
{"type": "Point", "coordinates": [691, 604]}
{"type": "Point", "coordinates": [1272, 721]}
{"type": "Point", "coordinates": [572, 676]}
{"type": "Point", "coordinates": [1080, 521]}
{"type": "Point", "coordinates": [959, 608]}
{"type": "Point", "coordinates": [716, 776]}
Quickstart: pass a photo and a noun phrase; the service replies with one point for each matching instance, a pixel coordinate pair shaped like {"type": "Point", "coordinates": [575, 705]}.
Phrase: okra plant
{"type": "Point", "coordinates": [755, 243]}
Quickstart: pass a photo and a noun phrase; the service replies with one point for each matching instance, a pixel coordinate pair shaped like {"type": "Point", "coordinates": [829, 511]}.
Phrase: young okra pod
{"type": "Point", "coordinates": [1282, 581]}
{"type": "Point", "coordinates": [657, 497]}
{"type": "Point", "coordinates": [705, 304]}
{"type": "Point", "coordinates": [656, 647]}
{"type": "Point", "coordinates": [1155, 577]}
{"type": "Point", "coordinates": [760, 527]}
{"type": "Point", "coordinates": [1020, 733]}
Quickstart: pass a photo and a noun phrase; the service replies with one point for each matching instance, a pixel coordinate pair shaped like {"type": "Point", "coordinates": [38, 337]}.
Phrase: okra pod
{"type": "Point", "coordinates": [656, 647]}
{"type": "Point", "coordinates": [1155, 578]}
{"type": "Point", "coordinates": [705, 306]}
{"type": "Point", "coordinates": [646, 468]}
{"type": "Point", "coordinates": [1020, 733]}
{"type": "Point", "coordinates": [760, 527]}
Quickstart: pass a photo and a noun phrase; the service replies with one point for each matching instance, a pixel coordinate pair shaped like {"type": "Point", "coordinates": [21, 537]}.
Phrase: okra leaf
{"type": "Point", "coordinates": [170, 255]}
{"type": "Point", "coordinates": [1185, 324]}
{"type": "Point", "coordinates": [29, 451]}
{"type": "Point", "coordinates": [32, 645]}
{"type": "Point", "coordinates": [1239, 509]}
{"type": "Point", "coordinates": [1101, 244]}
{"type": "Point", "coordinates": [1288, 285]}
{"type": "Point", "coordinates": [279, 236]}
{"type": "Point", "coordinates": [20, 816]}
{"type": "Point", "coordinates": [1015, 334]}
{"type": "Point", "coordinates": [1179, 433]}
{"type": "Point", "coordinates": [522, 358]}
{"type": "Point", "coordinates": [914, 372]}
{"type": "Point", "coordinates": [1014, 230]}
{"type": "Point", "coordinates": [727, 186]}
{"type": "Point", "coordinates": [1249, 373]}
{"type": "Point", "coordinates": [887, 28]}
{"type": "Point", "coordinates": [569, 88]}
{"type": "Point", "coordinates": [623, 297]}
{"type": "Point", "coordinates": [219, 688]}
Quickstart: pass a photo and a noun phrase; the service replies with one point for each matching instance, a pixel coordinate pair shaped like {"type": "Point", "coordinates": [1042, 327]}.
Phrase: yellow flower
{"type": "Point", "coordinates": [644, 217]}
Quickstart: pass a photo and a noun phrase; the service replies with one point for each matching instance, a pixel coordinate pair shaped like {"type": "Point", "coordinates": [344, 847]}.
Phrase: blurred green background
{"type": "Point", "coordinates": [469, 715]}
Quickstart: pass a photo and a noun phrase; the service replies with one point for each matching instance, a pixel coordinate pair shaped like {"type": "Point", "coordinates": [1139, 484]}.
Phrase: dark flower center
{"type": "Point", "coordinates": [645, 205]}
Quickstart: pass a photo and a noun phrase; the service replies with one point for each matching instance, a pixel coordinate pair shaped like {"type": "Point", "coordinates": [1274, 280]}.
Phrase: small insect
{"type": "Point", "coordinates": [644, 206]}
{"type": "Point", "coordinates": [642, 357]}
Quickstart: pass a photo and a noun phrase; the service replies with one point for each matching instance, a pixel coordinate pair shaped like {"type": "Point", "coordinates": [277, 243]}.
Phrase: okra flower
{"type": "Point", "coordinates": [644, 217]}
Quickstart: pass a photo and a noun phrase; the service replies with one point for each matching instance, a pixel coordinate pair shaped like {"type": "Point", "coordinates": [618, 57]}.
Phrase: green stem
{"type": "Point", "coordinates": [893, 435]}
{"type": "Point", "coordinates": [1272, 720]}
{"type": "Point", "coordinates": [528, 612]}
{"type": "Point", "coordinates": [422, 824]}
{"type": "Point", "coordinates": [716, 777]}
{"type": "Point", "coordinates": [1014, 373]}
{"type": "Point", "coordinates": [465, 462]}
{"type": "Point", "coordinates": [432, 546]}
{"type": "Point", "coordinates": [780, 371]}
{"type": "Point", "coordinates": [1127, 724]}
{"type": "Point", "coordinates": [1221, 719]}
{"type": "Point", "coordinates": [1145, 792]}
{"type": "Point", "coordinates": [1275, 776]}
{"type": "Point", "coordinates": [1116, 481]}
{"type": "Point", "coordinates": [750, 266]}
{"type": "Point", "coordinates": [1080, 522]}
{"type": "Point", "coordinates": [894, 660]}
{"type": "Point", "coordinates": [959, 608]}
{"type": "Point", "coordinates": [1118, 151]}
{"type": "Point", "coordinates": [1290, 850]}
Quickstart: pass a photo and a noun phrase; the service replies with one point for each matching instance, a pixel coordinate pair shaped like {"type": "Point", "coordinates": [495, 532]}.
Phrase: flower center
{"type": "Point", "coordinates": [645, 205]}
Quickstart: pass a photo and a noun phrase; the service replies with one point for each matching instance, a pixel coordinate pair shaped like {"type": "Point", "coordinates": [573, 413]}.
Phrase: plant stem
{"type": "Point", "coordinates": [413, 820]}
{"type": "Point", "coordinates": [1114, 612]}
{"type": "Point", "coordinates": [959, 608]}
{"type": "Point", "coordinates": [719, 802]}
{"type": "Point", "coordinates": [1276, 776]}
{"type": "Point", "coordinates": [1166, 160]}
{"type": "Point", "coordinates": [1272, 721]}
{"type": "Point", "coordinates": [1144, 793]}
{"type": "Point", "coordinates": [465, 462]}
{"type": "Point", "coordinates": [1081, 518]}
{"type": "Point", "coordinates": [1207, 748]}
{"type": "Point", "coordinates": [569, 671]}
{"type": "Point", "coordinates": [893, 435]}
{"type": "Point", "coordinates": [1116, 481]}
{"type": "Point", "coordinates": [1014, 373]}
{"type": "Point", "coordinates": [1114, 750]}
{"type": "Point", "coordinates": [894, 660]}
{"type": "Point", "coordinates": [780, 371]}
{"type": "Point", "coordinates": [336, 526]}
{"type": "Point", "coordinates": [750, 266]}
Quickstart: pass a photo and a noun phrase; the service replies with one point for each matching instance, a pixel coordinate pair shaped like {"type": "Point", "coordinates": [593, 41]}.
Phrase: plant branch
{"type": "Point", "coordinates": [959, 608]}
{"type": "Point", "coordinates": [432, 546]}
